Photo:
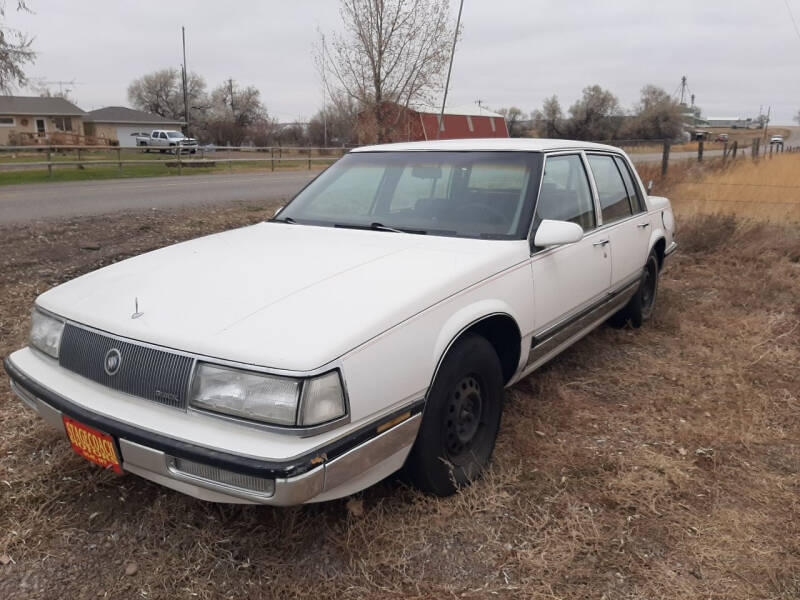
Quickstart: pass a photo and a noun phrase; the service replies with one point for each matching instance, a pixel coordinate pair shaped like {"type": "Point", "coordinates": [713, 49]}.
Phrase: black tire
{"type": "Point", "coordinates": [461, 419]}
{"type": "Point", "coordinates": [641, 305]}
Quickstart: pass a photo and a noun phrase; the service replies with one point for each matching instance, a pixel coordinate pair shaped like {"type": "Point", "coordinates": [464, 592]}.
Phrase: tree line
{"type": "Point", "coordinates": [598, 115]}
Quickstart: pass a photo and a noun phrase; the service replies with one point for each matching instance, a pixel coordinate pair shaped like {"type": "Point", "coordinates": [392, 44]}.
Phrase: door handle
{"type": "Point", "coordinates": [643, 225]}
{"type": "Point", "coordinates": [600, 243]}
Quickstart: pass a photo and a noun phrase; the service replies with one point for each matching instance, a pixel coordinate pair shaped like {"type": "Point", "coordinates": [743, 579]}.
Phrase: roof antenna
{"type": "Point", "coordinates": [449, 70]}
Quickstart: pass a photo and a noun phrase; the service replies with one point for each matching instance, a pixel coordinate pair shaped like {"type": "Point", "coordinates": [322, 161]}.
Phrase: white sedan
{"type": "Point", "coordinates": [372, 325]}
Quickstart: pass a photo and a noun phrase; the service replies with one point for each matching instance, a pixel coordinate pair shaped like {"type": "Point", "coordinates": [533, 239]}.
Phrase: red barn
{"type": "Point", "coordinates": [417, 125]}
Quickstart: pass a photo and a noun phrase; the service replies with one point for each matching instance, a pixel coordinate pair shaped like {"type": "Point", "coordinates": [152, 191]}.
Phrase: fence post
{"type": "Point", "coordinates": [79, 154]}
{"type": "Point", "coordinates": [49, 163]}
{"type": "Point", "coordinates": [665, 158]}
{"type": "Point", "coordinates": [735, 148]}
{"type": "Point", "coordinates": [119, 158]}
{"type": "Point", "coordinates": [700, 151]}
{"type": "Point", "coordinates": [272, 159]}
{"type": "Point", "coordinates": [178, 153]}
{"type": "Point", "coordinates": [725, 153]}
{"type": "Point", "coordinates": [309, 159]}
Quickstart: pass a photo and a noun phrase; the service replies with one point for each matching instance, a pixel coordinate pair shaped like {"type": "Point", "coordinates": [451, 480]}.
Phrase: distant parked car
{"type": "Point", "coordinates": [410, 284]}
{"type": "Point", "coordinates": [776, 139]}
{"type": "Point", "coordinates": [166, 140]}
{"type": "Point", "coordinates": [722, 137]}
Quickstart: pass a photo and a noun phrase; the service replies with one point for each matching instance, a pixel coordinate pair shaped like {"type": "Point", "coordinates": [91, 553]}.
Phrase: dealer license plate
{"type": "Point", "coordinates": [92, 444]}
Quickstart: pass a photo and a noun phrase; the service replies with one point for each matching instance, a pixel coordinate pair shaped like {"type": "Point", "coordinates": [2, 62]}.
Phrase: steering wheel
{"type": "Point", "coordinates": [495, 216]}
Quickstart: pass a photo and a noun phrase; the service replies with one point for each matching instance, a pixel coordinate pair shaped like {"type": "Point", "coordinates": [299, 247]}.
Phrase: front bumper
{"type": "Point", "coordinates": [339, 468]}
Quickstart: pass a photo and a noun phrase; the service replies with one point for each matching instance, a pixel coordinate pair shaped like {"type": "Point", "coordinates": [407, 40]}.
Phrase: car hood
{"type": "Point", "coordinates": [277, 295]}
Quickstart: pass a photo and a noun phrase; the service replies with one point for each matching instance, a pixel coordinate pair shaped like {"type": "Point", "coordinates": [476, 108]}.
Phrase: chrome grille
{"type": "Point", "coordinates": [149, 373]}
{"type": "Point", "coordinates": [216, 475]}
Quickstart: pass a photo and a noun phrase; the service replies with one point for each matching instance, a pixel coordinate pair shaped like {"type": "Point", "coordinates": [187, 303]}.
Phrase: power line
{"type": "Point", "coordinates": [791, 16]}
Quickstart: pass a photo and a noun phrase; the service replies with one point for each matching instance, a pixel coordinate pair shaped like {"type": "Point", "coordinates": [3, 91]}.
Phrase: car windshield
{"type": "Point", "coordinates": [463, 194]}
{"type": "Point", "coordinates": [174, 134]}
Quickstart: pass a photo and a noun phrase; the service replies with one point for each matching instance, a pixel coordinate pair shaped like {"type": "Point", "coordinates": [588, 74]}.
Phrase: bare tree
{"type": "Point", "coordinates": [161, 93]}
{"type": "Point", "coordinates": [596, 116]}
{"type": "Point", "coordinates": [392, 51]}
{"type": "Point", "coordinates": [515, 122]}
{"type": "Point", "coordinates": [549, 120]}
{"type": "Point", "coordinates": [657, 116]}
{"type": "Point", "coordinates": [340, 117]}
{"type": "Point", "coordinates": [797, 117]}
{"type": "Point", "coordinates": [236, 115]}
{"type": "Point", "coordinates": [15, 52]}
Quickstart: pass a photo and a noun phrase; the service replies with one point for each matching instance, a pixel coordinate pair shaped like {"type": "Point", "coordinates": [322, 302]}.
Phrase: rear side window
{"type": "Point", "coordinates": [565, 194]}
{"type": "Point", "coordinates": [634, 194]}
{"type": "Point", "coordinates": [611, 190]}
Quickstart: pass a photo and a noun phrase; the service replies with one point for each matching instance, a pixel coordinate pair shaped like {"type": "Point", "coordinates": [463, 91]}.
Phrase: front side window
{"type": "Point", "coordinates": [175, 134]}
{"type": "Point", "coordinates": [565, 194]}
{"type": "Point", "coordinates": [611, 190]}
{"type": "Point", "coordinates": [163, 135]}
{"type": "Point", "coordinates": [462, 194]}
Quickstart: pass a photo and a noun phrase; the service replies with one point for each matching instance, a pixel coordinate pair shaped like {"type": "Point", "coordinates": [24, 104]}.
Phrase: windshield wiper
{"type": "Point", "coordinates": [379, 227]}
{"type": "Point", "coordinates": [288, 220]}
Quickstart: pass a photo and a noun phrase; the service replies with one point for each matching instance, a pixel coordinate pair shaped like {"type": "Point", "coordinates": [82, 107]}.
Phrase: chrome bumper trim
{"type": "Point", "coordinates": [156, 465]}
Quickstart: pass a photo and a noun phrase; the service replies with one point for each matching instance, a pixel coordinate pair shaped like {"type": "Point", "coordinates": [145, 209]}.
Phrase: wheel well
{"type": "Point", "coordinates": [502, 333]}
{"type": "Point", "coordinates": [660, 247]}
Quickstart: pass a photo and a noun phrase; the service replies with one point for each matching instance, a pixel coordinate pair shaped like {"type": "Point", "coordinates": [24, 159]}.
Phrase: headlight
{"type": "Point", "coordinates": [267, 398]}
{"type": "Point", "coordinates": [45, 333]}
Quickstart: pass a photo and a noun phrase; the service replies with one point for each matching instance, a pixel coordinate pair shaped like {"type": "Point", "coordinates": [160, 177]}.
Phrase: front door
{"type": "Point", "coordinates": [40, 131]}
{"type": "Point", "coordinates": [568, 279]}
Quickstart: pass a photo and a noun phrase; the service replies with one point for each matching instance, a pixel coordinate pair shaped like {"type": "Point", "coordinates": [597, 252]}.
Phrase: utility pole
{"type": "Point", "coordinates": [324, 88]}
{"type": "Point", "coordinates": [766, 122]}
{"type": "Point", "coordinates": [233, 109]}
{"type": "Point", "coordinates": [683, 88]}
{"type": "Point", "coordinates": [449, 70]}
{"type": "Point", "coordinates": [479, 102]}
{"type": "Point", "coordinates": [185, 92]}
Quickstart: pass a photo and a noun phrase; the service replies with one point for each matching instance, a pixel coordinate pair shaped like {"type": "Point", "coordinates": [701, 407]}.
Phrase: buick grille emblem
{"type": "Point", "coordinates": [112, 362]}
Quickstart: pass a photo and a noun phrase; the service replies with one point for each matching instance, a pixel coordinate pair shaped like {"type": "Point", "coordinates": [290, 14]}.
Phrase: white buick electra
{"type": "Point", "coordinates": [370, 326]}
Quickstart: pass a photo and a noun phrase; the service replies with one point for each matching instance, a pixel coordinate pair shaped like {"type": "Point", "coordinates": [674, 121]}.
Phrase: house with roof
{"type": "Point", "coordinates": [120, 125]}
{"type": "Point", "coordinates": [26, 120]}
{"type": "Point", "coordinates": [407, 124]}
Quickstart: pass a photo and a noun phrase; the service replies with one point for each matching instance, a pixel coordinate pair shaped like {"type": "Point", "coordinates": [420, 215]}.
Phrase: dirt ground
{"type": "Point", "coordinates": [641, 464]}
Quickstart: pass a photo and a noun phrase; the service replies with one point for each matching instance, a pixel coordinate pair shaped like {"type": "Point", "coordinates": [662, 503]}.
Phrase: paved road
{"type": "Point", "coordinates": [19, 203]}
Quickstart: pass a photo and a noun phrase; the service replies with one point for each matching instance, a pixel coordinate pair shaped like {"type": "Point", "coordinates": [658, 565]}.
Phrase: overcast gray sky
{"type": "Point", "coordinates": [739, 55]}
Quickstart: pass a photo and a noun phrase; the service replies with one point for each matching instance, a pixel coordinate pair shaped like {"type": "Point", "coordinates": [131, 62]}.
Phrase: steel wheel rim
{"type": "Point", "coordinates": [464, 417]}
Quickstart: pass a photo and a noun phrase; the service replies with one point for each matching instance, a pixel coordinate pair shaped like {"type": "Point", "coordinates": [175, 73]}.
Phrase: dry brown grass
{"type": "Point", "coordinates": [767, 189]}
{"type": "Point", "coordinates": [660, 463]}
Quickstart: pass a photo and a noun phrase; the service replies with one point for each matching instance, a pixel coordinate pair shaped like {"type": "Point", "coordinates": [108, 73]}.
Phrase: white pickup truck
{"type": "Point", "coordinates": [166, 139]}
{"type": "Point", "coordinates": [372, 325]}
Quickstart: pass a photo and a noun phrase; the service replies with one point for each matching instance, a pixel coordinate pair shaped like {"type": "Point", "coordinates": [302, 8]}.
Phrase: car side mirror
{"type": "Point", "coordinates": [557, 233]}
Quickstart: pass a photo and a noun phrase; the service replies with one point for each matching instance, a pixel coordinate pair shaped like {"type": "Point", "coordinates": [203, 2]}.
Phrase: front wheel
{"type": "Point", "coordinates": [641, 305]}
{"type": "Point", "coordinates": [461, 419]}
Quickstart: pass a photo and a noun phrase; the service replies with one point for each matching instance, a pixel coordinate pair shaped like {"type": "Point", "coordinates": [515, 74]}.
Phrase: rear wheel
{"type": "Point", "coordinates": [641, 305]}
{"type": "Point", "coordinates": [461, 419]}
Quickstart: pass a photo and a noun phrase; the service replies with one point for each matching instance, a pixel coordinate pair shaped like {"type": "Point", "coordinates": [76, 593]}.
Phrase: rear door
{"type": "Point", "coordinates": [622, 217]}
{"type": "Point", "coordinates": [572, 278]}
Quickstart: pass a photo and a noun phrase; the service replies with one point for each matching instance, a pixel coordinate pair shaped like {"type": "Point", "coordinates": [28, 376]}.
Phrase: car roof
{"type": "Point", "coordinates": [489, 144]}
